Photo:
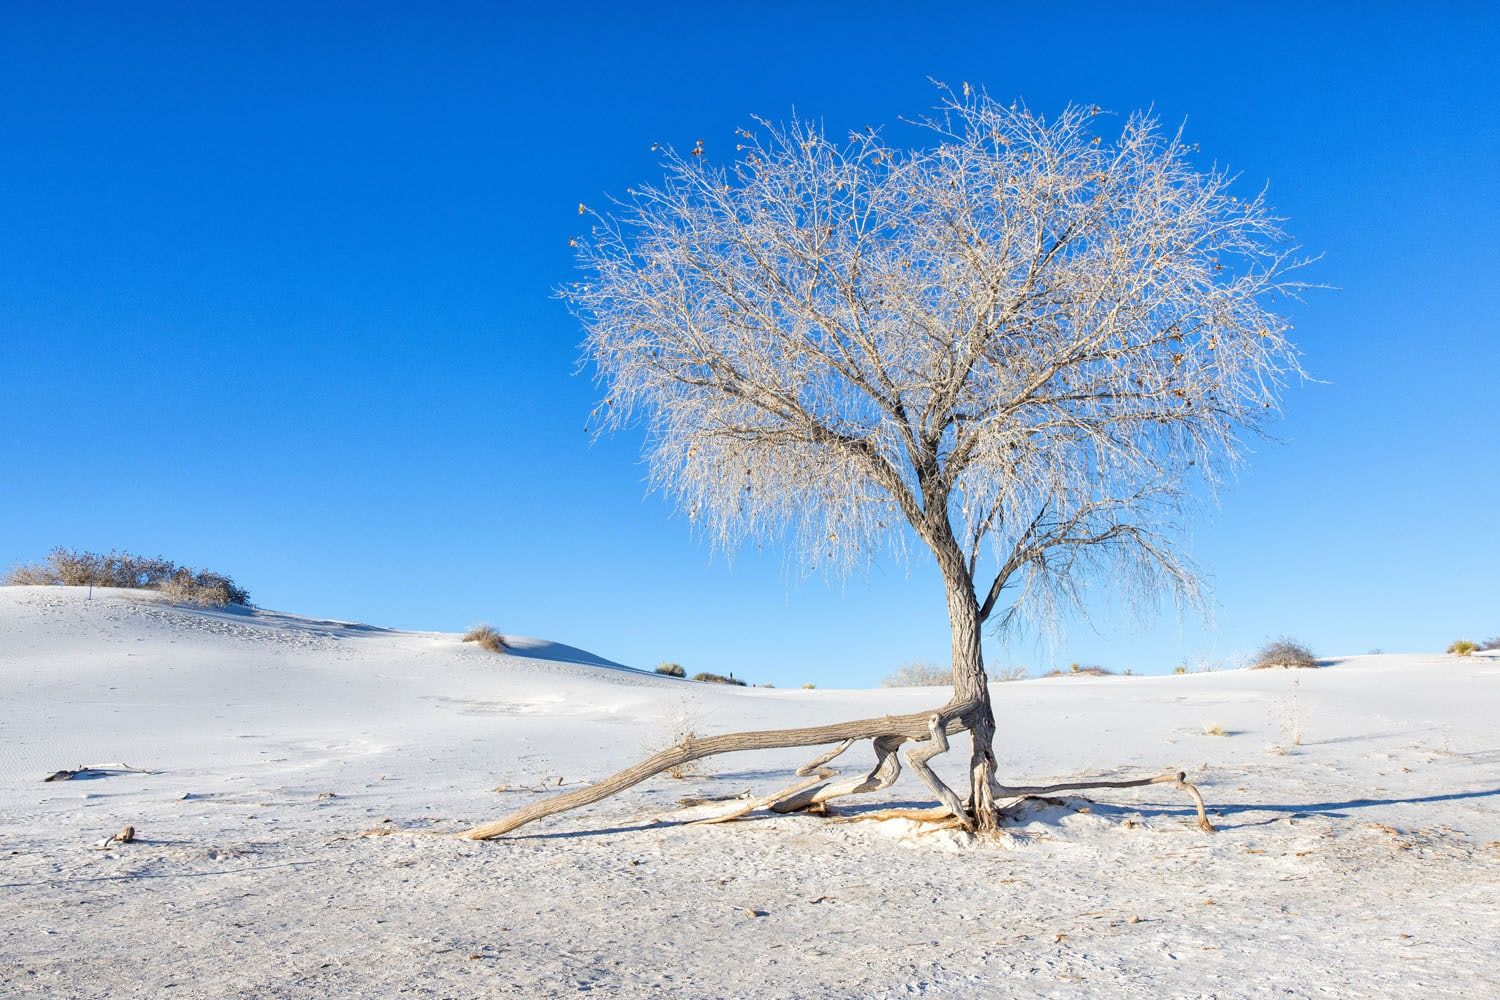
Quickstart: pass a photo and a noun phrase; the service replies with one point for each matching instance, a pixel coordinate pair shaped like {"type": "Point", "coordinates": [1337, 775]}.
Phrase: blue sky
{"type": "Point", "coordinates": [276, 298]}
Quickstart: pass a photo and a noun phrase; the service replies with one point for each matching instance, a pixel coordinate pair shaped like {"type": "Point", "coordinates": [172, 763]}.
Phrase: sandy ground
{"type": "Point", "coordinates": [1363, 861]}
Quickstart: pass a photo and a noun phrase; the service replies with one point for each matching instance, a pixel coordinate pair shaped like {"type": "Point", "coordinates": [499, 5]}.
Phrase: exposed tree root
{"type": "Point", "coordinates": [928, 729]}
{"type": "Point", "coordinates": [909, 727]}
{"type": "Point", "coordinates": [814, 772]}
{"type": "Point", "coordinates": [884, 774]}
{"type": "Point", "coordinates": [917, 757]}
{"type": "Point", "coordinates": [938, 817]}
{"type": "Point", "coordinates": [1177, 779]}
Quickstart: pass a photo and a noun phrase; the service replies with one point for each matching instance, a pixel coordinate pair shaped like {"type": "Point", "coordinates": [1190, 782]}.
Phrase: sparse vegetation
{"type": "Point", "coordinates": [487, 638]}
{"type": "Point", "coordinates": [668, 669]}
{"type": "Point", "coordinates": [1180, 669]}
{"type": "Point", "coordinates": [202, 588]}
{"type": "Point", "coordinates": [680, 724]}
{"type": "Point", "coordinates": [918, 673]}
{"type": "Point", "coordinates": [1283, 653]}
{"type": "Point", "coordinates": [1493, 642]}
{"type": "Point", "coordinates": [1215, 730]}
{"type": "Point", "coordinates": [1014, 672]}
{"type": "Point", "coordinates": [809, 687]}
{"type": "Point", "coordinates": [1463, 647]}
{"type": "Point", "coordinates": [709, 678]}
{"type": "Point", "coordinates": [182, 584]}
{"type": "Point", "coordinates": [1081, 670]}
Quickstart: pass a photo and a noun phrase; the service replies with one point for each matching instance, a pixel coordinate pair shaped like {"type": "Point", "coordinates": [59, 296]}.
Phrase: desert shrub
{"type": "Point", "coordinates": [69, 568]}
{"type": "Point", "coordinates": [1493, 642]}
{"type": "Point", "coordinates": [487, 638]}
{"type": "Point", "coordinates": [202, 588]}
{"type": "Point", "coordinates": [1081, 670]}
{"type": "Point", "coordinates": [1180, 669]}
{"type": "Point", "coordinates": [1014, 672]}
{"type": "Point", "coordinates": [33, 575]}
{"type": "Point", "coordinates": [718, 679]}
{"type": "Point", "coordinates": [918, 674]}
{"type": "Point", "coordinates": [809, 687]}
{"type": "Point", "coordinates": [670, 669]}
{"type": "Point", "coordinates": [1283, 653]}
{"type": "Point", "coordinates": [1463, 647]}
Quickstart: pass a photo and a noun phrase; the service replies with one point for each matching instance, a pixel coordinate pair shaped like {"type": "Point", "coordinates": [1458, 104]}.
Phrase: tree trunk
{"type": "Point", "coordinates": [971, 690]}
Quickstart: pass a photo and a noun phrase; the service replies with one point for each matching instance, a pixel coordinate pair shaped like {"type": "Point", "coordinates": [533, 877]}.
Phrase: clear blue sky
{"type": "Point", "coordinates": [275, 298]}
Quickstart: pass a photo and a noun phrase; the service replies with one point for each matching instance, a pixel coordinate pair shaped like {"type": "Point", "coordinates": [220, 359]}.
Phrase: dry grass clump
{"type": "Point", "coordinates": [667, 669]}
{"type": "Point", "coordinates": [69, 568]}
{"type": "Point", "coordinates": [1283, 653]}
{"type": "Point", "coordinates": [487, 638]}
{"type": "Point", "coordinates": [1215, 730]}
{"type": "Point", "coordinates": [918, 673]}
{"type": "Point", "coordinates": [709, 678]}
{"type": "Point", "coordinates": [679, 727]}
{"type": "Point", "coordinates": [1463, 647]}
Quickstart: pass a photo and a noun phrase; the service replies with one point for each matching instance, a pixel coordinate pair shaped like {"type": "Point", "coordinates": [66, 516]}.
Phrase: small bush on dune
{"type": "Point", "coordinates": [202, 588]}
{"type": "Point", "coordinates": [1463, 647]}
{"type": "Point", "coordinates": [68, 568]}
{"type": "Point", "coordinates": [919, 674]}
{"type": "Point", "coordinates": [1493, 642]}
{"type": "Point", "coordinates": [670, 669]}
{"type": "Point", "coordinates": [33, 575]}
{"type": "Point", "coordinates": [487, 638]}
{"type": "Point", "coordinates": [709, 678]}
{"type": "Point", "coordinates": [1081, 670]}
{"type": "Point", "coordinates": [1283, 653]}
{"type": "Point", "coordinates": [1015, 672]}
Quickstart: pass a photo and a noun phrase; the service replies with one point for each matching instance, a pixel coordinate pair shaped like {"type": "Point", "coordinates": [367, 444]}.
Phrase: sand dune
{"type": "Point", "coordinates": [1361, 862]}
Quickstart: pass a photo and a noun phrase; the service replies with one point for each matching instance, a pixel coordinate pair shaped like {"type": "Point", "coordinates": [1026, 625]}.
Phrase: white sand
{"type": "Point", "coordinates": [1363, 863]}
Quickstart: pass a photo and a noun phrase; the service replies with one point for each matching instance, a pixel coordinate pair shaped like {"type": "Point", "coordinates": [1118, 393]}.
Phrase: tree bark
{"type": "Point", "coordinates": [971, 689]}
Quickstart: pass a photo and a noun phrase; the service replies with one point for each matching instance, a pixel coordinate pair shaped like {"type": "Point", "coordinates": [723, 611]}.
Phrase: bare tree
{"type": "Point", "coordinates": [1016, 341]}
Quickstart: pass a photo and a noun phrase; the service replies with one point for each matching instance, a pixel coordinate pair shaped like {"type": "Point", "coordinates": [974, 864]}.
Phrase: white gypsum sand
{"type": "Point", "coordinates": [1362, 862]}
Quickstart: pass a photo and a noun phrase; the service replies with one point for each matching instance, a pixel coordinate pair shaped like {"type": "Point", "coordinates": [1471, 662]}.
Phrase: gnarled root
{"type": "Point", "coordinates": [914, 726]}
{"type": "Point", "coordinates": [884, 774]}
{"type": "Point", "coordinates": [928, 729]}
{"type": "Point", "coordinates": [1177, 779]}
{"type": "Point", "coordinates": [937, 743]}
{"type": "Point", "coordinates": [813, 774]}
